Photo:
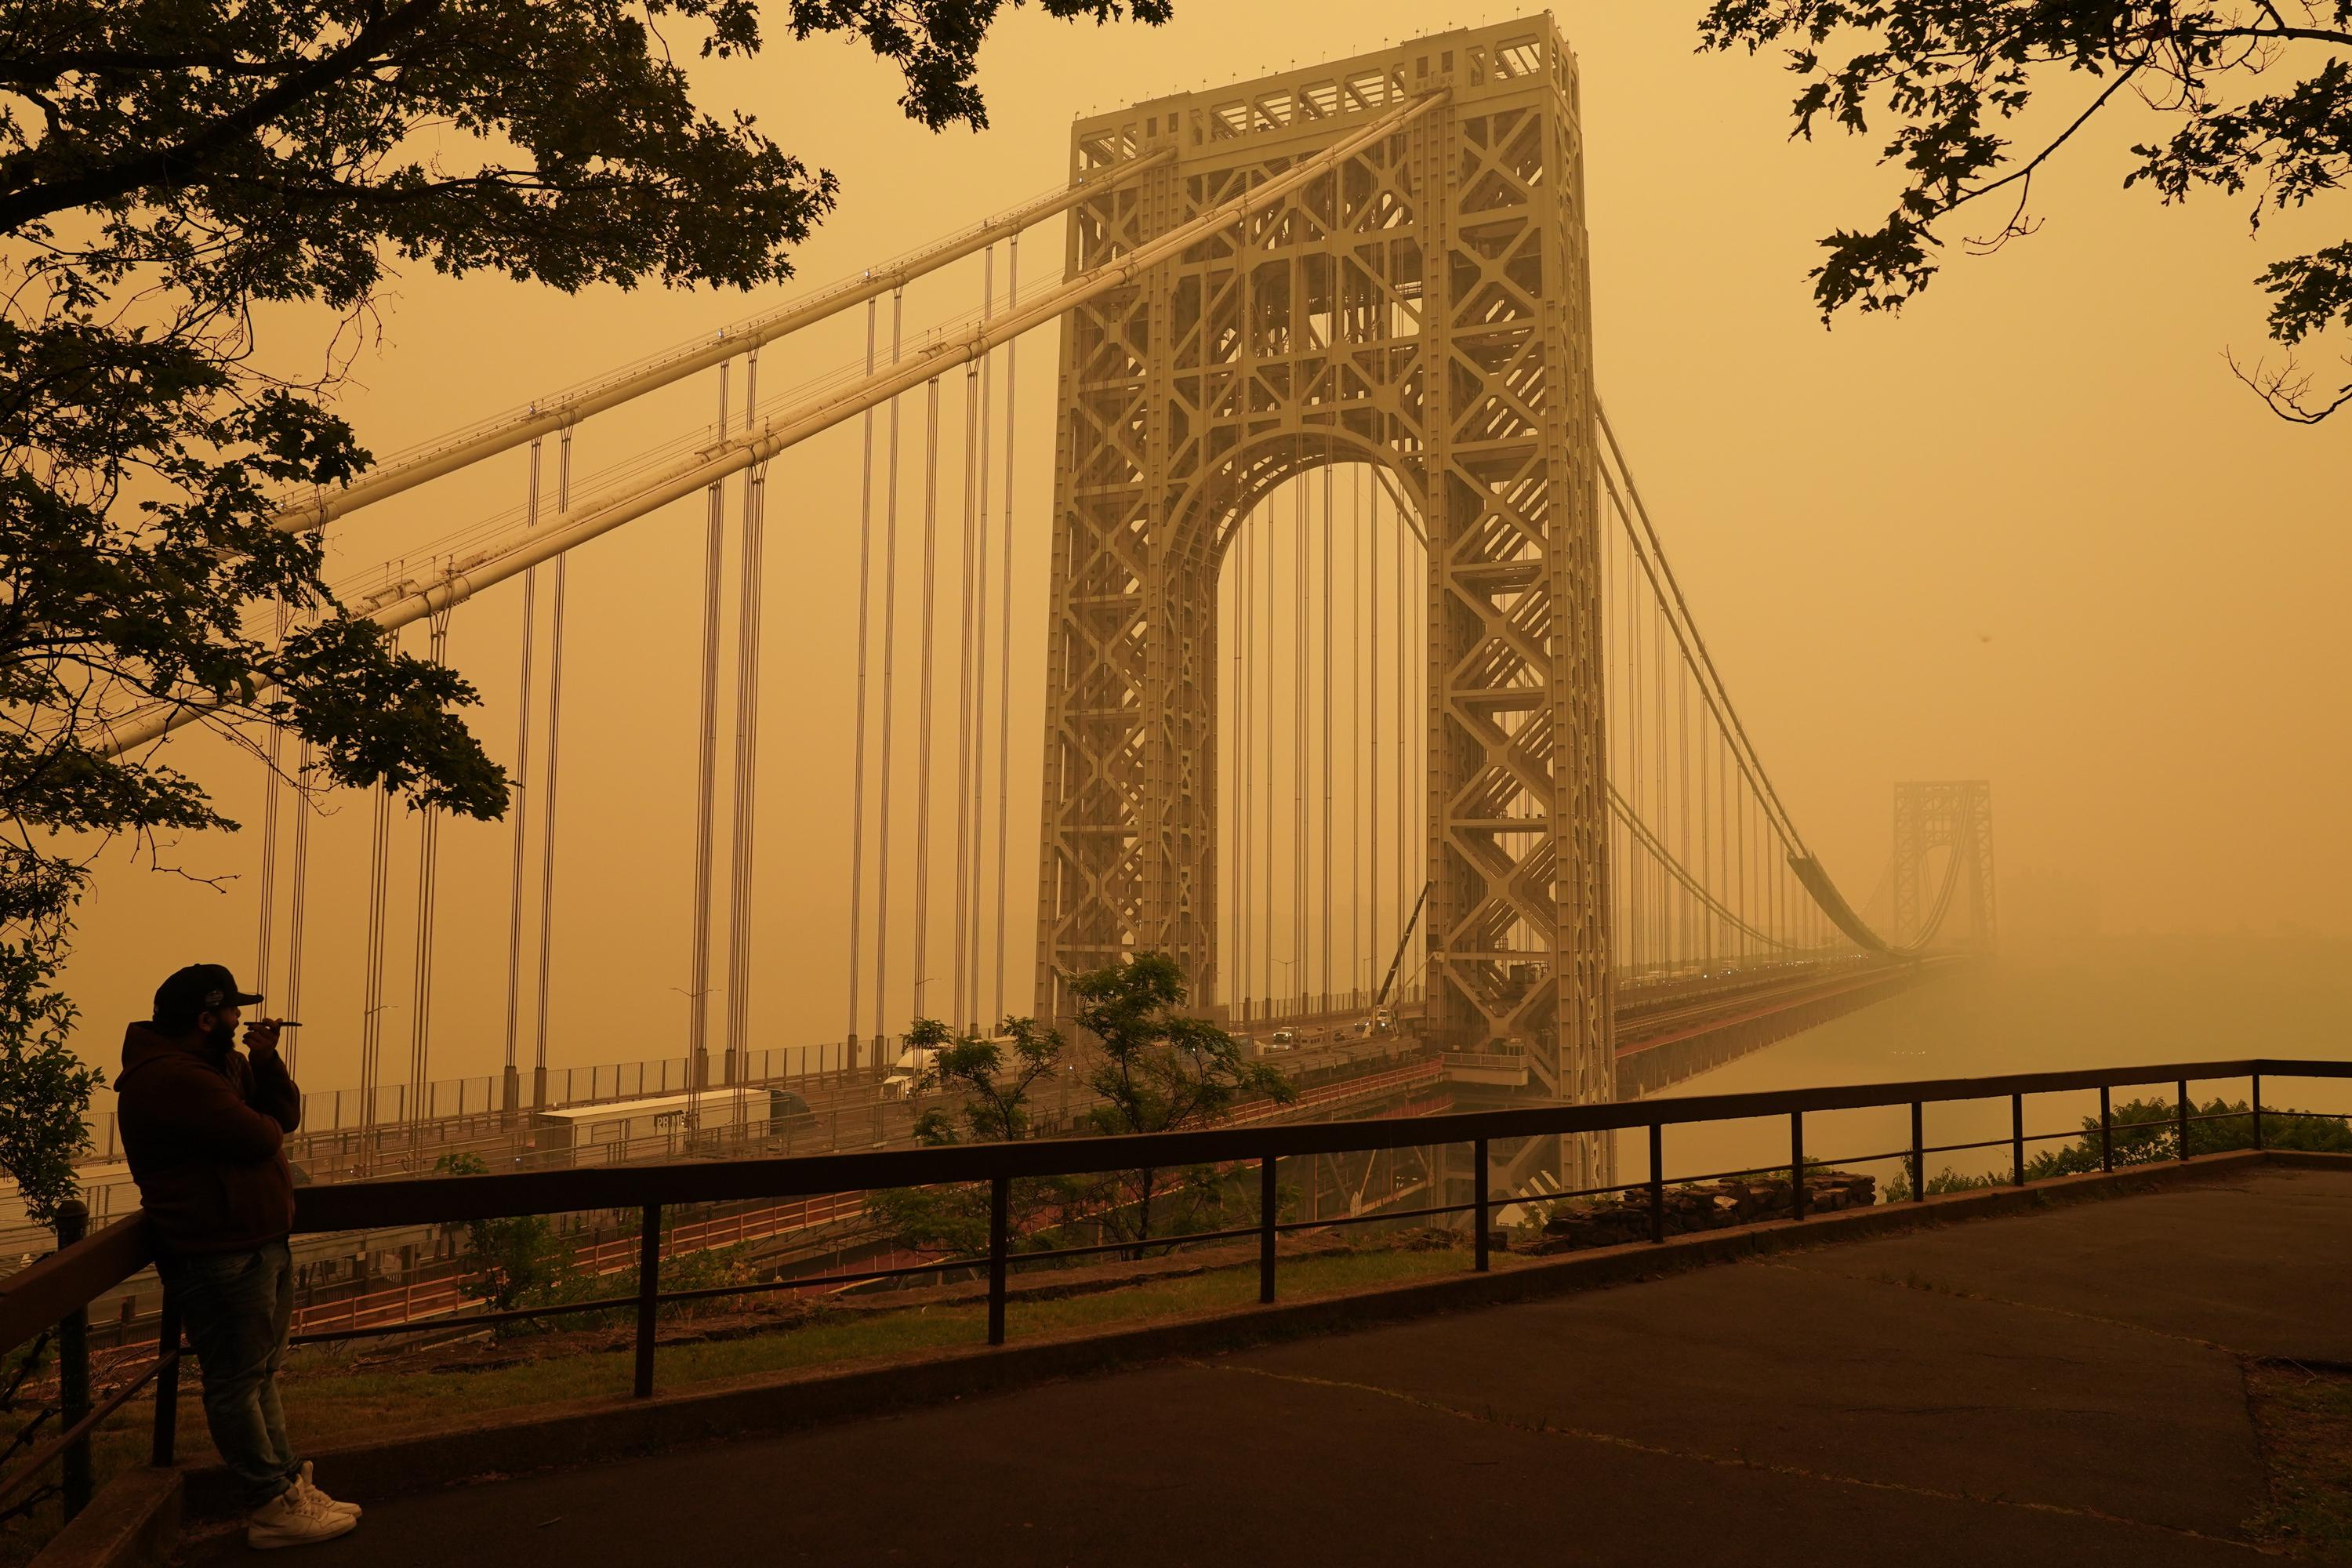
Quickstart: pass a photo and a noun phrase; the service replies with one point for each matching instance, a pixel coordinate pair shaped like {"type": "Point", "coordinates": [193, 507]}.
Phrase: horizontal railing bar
{"type": "Point", "coordinates": [48, 1452]}
{"type": "Point", "coordinates": [479, 1320]}
{"type": "Point", "coordinates": [1373, 1218]}
{"type": "Point", "coordinates": [46, 1291]}
{"type": "Point", "coordinates": [414, 1199]}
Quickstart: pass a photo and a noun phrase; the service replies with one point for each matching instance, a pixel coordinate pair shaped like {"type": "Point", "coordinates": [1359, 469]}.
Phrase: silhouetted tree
{"type": "Point", "coordinates": [164, 168]}
{"type": "Point", "coordinates": [1156, 1071]}
{"type": "Point", "coordinates": [1954, 75]}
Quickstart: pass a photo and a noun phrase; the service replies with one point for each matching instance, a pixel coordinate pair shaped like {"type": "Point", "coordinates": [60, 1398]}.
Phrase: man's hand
{"type": "Point", "coordinates": [261, 1037]}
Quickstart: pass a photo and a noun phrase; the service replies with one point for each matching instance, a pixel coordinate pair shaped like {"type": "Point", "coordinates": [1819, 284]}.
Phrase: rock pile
{"type": "Point", "coordinates": [1700, 1206]}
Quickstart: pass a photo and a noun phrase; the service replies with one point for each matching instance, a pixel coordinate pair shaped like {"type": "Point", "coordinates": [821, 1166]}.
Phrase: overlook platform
{"type": "Point", "coordinates": [2077, 1383]}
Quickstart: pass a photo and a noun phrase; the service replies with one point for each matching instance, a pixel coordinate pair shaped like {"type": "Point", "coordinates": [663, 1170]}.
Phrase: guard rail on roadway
{"type": "Point", "coordinates": [52, 1296]}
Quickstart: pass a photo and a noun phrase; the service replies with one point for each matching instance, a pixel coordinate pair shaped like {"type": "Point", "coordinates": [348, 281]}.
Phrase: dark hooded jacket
{"type": "Point", "coordinates": [204, 1129]}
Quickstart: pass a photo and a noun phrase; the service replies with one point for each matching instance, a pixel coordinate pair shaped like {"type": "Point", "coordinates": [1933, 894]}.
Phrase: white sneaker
{"type": "Point", "coordinates": [311, 1489]}
{"type": "Point", "coordinates": [292, 1519]}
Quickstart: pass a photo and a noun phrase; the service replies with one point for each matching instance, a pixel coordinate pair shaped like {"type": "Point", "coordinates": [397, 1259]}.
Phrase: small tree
{"type": "Point", "coordinates": [515, 1262]}
{"type": "Point", "coordinates": [996, 1083]}
{"type": "Point", "coordinates": [1158, 1070]}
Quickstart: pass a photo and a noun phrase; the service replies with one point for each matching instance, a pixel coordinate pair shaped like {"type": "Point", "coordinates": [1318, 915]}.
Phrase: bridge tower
{"type": "Point", "coordinates": [1422, 307]}
{"type": "Point", "coordinates": [1954, 814]}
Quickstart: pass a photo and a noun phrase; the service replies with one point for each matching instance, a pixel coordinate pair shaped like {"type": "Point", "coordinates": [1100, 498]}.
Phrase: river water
{"type": "Point", "coordinates": [2113, 1003]}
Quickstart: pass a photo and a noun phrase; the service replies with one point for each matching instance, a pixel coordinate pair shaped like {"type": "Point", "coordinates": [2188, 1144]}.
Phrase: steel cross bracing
{"type": "Point", "coordinates": [1954, 814]}
{"type": "Point", "coordinates": [1421, 307]}
{"type": "Point", "coordinates": [1378, 263]}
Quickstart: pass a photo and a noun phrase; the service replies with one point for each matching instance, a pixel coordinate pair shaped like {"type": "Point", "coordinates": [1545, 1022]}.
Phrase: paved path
{"type": "Point", "coordinates": [2055, 1387]}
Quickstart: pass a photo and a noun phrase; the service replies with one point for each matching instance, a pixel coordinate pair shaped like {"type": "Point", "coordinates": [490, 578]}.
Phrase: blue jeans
{"type": "Point", "coordinates": [237, 1308]}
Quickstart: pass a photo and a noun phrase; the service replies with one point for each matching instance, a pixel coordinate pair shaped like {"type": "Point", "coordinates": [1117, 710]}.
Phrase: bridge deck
{"type": "Point", "coordinates": [2065, 1385]}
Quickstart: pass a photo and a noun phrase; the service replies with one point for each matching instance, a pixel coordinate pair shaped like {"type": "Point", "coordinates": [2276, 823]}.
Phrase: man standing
{"type": "Point", "coordinates": [204, 1128]}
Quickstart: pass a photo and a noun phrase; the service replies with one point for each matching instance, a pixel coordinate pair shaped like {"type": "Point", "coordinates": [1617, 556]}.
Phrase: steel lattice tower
{"type": "Point", "coordinates": [1424, 307]}
{"type": "Point", "coordinates": [1955, 814]}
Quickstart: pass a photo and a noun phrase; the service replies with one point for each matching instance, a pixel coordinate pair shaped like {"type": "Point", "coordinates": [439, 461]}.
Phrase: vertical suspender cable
{"type": "Point", "coordinates": [706, 791]}
{"type": "Point", "coordinates": [1299, 747]}
{"type": "Point", "coordinates": [740, 881]}
{"type": "Point", "coordinates": [964, 846]}
{"type": "Point", "coordinates": [1004, 633]}
{"type": "Point", "coordinates": [1356, 737]}
{"type": "Point", "coordinates": [1245, 622]}
{"type": "Point", "coordinates": [511, 1090]}
{"type": "Point", "coordinates": [1371, 558]}
{"type": "Point", "coordinates": [371, 992]}
{"type": "Point", "coordinates": [429, 881]}
{"type": "Point", "coordinates": [1264, 524]}
{"type": "Point", "coordinates": [299, 889]}
{"type": "Point", "coordinates": [1330, 561]}
{"type": "Point", "coordinates": [890, 665]}
{"type": "Point", "coordinates": [923, 725]}
{"type": "Point", "coordinates": [865, 608]}
{"type": "Point", "coordinates": [970, 1002]}
{"type": "Point", "coordinates": [1664, 915]}
{"type": "Point", "coordinates": [271, 756]}
{"type": "Point", "coordinates": [547, 789]}
{"type": "Point", "coordinates": [1406, 594]}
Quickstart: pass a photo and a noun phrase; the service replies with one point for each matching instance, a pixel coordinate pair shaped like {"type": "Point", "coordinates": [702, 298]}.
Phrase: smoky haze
{"type": "Point", "coordinates": [2029, 532]}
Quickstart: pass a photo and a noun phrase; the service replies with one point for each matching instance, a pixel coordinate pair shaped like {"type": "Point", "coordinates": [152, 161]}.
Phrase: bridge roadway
{"type": "Point", "coordinates": [1671, 1030]}
{"type": "Point", "coordinates": [2075, 1383]}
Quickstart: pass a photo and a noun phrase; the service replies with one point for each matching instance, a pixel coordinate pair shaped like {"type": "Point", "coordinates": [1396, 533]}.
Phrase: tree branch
{"type": "Point", "coordinates": [119, 179]}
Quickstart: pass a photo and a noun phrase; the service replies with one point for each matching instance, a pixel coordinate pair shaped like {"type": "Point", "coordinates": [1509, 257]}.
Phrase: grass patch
{"type": "Point", "coordinates": [2305, 1419]}
{"type": "Point", "coordinates": [331, 1401]}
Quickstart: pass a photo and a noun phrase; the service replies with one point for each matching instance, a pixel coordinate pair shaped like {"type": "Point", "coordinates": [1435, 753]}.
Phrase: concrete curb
{"type": "Point", "coordinates": [602, 1430]}
{"type": "Point", "coordinates": [133, 1521]}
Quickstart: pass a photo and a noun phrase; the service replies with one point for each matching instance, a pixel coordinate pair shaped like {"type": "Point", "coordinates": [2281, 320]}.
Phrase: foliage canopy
{"type": "Point", "coordinates": [2258, 105]}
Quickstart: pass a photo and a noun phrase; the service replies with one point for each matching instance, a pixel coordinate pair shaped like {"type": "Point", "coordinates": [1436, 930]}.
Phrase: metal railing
{"type": "Point", "coordinates": [54, 1294]}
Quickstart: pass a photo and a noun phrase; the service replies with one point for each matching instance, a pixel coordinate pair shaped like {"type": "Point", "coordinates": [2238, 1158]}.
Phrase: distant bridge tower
{"type": "Point", "coordinates": [1423, 308]}
{"type": "Point", "coordinates": [1954, 814]}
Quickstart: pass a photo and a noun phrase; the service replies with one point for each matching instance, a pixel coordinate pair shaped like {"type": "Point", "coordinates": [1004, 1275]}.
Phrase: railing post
{"type": "Point", "coordinates": [2106, 1132]}
{"type": "Point", "coordinates": [73, 1367]}
{"type": "Point", "coordinates": [165, 1446]}
{"type": "Point", "coordinates": [2017, 1139]}
{"type": "Point", "coordinates": [1478, 1162]}
{"type": "Point", "coordinates": [648, 1295]}
{"type": "Point", "coordinates": [1918, 1153]}
{"type": "Point", "coordinates": [2181, 1112]}
{"type": "Point", "coordinates": [1797, 1164]}
{"type": "Point", "coordinates": [1265, 1218]}
{"type": "Point", "coordinates": [1657, 1181]}
{"type": "Point", "coordinates": [2258, 1110]}
{"type": "Point", "coordinates": [1000, 1205]}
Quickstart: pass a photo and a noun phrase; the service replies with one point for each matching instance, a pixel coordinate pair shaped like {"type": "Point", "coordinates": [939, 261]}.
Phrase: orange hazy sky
{"type": "Point", "coordinates": [2029, 531]}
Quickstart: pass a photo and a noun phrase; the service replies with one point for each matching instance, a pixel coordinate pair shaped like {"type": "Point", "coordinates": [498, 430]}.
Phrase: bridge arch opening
{"type": "Point", "coordinates": [1321, 719]}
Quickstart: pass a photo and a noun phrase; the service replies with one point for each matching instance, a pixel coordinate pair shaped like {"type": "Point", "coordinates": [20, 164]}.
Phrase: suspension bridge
{"type": "Point", "coordinates": [1371, 693]}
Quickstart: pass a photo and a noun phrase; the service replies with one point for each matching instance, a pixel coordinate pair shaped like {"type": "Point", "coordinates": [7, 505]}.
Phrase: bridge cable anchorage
{"type": "Point", "coordinates": [741, 877]}
{"type": "Point", "coordinates": [555, 642]}
{"type": "Point", "coordinates": [428, 900]}
{"type": "Point", "coordinates": [706, 809]}
{"type": "Point", "coordinates": [1005, 634]}
{"type": "Point", "coordinates": [923, 724]}
{"type": "Point", "coordinates": [865, 637]}
{"type": "Point", "coordinates": [889, 665]}
{"type": "Point", "coordinates": [546, 416]}
{"type": "Point", "coordinates": [519, 791]}
{"type": "Point", "coordinates": [460, 582]}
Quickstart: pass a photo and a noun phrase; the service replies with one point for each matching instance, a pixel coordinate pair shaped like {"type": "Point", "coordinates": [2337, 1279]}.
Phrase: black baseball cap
{"type": "Point", "coordinates": [199, 988]}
